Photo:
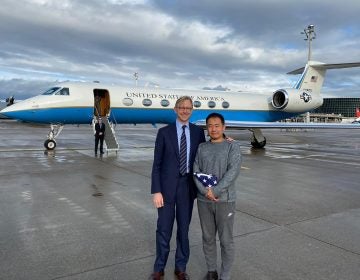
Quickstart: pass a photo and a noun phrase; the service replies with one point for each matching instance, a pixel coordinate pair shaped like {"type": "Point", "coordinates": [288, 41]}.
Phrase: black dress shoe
{"type": "Point", "coordinates": [157, 276]}
{"type": "Point", "coordinates": [212, 275]}
{"type": "Point", "coordinates": [181, 275]}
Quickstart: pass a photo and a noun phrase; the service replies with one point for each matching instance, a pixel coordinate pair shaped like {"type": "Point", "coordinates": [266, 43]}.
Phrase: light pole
{"type": "Point", "coordinates": [136, 76]}
{"type": "Point", "coordinates": [310, 35]}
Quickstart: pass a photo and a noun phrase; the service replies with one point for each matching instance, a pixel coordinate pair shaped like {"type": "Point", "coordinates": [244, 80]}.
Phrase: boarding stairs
{"type": "Point", "coordinates": [111, 142]}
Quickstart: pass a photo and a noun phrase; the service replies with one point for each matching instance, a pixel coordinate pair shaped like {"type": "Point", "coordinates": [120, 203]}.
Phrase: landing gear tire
{"type": "Point", "coordinates": [50, 144]}
{"type": "Point", "coordinates": [258, 145]}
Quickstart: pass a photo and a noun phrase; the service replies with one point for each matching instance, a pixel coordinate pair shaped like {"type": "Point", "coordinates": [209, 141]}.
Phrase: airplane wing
{"type": "Point", "coordinates": [251, 125]}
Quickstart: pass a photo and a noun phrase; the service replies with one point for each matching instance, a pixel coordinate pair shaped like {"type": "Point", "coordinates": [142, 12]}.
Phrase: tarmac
{"type": "Point", "coordinates": [69, 215]}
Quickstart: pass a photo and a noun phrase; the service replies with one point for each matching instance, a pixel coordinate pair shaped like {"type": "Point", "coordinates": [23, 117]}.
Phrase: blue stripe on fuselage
{"type": "Point", "coordinates": [138, 115]}
{"type": "Point", "coordinates": [54, 115]}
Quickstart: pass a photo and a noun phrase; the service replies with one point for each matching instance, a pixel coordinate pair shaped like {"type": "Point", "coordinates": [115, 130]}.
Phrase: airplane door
{"type": "Point", "coordinates": [101, 103]}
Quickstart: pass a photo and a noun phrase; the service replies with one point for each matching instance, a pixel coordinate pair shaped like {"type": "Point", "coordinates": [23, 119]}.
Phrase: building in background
{"type": "Point", "coordinates": [345, 107]}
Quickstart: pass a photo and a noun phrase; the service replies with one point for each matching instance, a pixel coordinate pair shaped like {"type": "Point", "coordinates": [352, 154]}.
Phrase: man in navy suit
{"type": "Point", "coordinates": [173, 187]}
{"type": "Point", "coordinates": [99, 135]}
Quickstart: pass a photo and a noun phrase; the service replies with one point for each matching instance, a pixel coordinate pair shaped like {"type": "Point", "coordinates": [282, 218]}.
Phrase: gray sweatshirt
{"type": "Point", "coordinates": [223, 160]}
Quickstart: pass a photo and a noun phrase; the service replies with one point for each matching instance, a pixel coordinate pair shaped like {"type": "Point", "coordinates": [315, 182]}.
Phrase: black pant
{"type": "Point", "coordinates": [97, 139]}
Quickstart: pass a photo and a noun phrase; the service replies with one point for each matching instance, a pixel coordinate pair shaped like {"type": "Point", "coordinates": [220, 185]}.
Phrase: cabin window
{"type": "Point", "coordinates": [147, 102]}
{"type": "Point", "coordinates": [225, 105]}
{"type": "Point", "coordinates": [63, 91]}
{"type": "Point", "coordinates": [211, 104]}
{"type": "Point", "coordinates": [165, 103]}
{"type": "Point", "coordinates": [197, 104]}
{"type": "Point", "coordinates": [128, 101]}
{"type": "Point", "coordinates": [51, 91]}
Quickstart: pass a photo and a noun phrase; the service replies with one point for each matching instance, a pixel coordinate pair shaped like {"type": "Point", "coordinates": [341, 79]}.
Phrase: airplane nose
{"type": "Point", "coordinates": [8, 111]}
{"type": "Point", "coordinates": [4, 112]}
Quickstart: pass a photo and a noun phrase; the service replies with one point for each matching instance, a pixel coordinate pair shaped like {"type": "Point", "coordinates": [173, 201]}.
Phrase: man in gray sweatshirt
{"type": "Point", "coordinates": [216, 204]}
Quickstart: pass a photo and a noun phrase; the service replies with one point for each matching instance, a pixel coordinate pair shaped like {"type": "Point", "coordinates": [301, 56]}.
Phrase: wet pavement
{"type": "Point", "coordinates": [69, 215]}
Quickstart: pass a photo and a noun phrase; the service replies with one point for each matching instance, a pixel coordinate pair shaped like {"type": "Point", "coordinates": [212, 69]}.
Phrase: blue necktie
{"type": "Point", "coordinates": [183, 152]}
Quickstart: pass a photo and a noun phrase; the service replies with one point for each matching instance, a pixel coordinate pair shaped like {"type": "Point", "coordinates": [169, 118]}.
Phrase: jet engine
{"type": "Point", "coordinates": [293, 100]}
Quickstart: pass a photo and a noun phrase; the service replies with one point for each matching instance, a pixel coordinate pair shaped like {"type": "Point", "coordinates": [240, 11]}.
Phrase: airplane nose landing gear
{"type": "Point", "coordinates": [55, 130]}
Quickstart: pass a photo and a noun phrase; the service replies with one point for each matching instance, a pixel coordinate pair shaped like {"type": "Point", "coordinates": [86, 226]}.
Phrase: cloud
{"type": "Point", "coordinates": [219, 88]}
{"type": "Point", "coordinates": [247, 45]}
{"type": "Point", "coordinates": [22, 89]}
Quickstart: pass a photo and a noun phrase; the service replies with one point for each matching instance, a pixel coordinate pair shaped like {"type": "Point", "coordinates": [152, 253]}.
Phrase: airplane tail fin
{"type": "Point", "coordinates": [313, 74]}
{"type": "Point", "coordinates": [357, 113]}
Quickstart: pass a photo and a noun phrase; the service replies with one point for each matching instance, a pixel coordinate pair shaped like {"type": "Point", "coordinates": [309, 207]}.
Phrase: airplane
{"type": "Point", "coordinates": [80, 103]}
{"type": "Point", "coordinates": [7, 102]}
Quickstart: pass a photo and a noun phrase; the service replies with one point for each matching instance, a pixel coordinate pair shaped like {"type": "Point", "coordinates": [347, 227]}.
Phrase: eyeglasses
{"type": "Point", "coordinates": [185, 108]}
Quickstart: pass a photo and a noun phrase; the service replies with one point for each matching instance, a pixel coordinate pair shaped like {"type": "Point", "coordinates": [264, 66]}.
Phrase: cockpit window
{"type": "Point", "coordinates": [51, 91]}
{"type": "Point", "coordinates": [63, 91]}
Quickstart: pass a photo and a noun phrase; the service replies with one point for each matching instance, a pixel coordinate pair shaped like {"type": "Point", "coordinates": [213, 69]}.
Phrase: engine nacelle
{"type": "Point", "coordinates": [294, 100]}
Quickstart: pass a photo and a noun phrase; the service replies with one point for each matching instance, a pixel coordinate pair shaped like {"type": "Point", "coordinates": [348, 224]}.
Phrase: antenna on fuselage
{"type": "Point", "coordinates": [310, 35]}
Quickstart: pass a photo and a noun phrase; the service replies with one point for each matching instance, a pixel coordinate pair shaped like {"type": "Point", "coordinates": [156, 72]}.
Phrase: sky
{"type": "Point", "coordinates": [237, 45]}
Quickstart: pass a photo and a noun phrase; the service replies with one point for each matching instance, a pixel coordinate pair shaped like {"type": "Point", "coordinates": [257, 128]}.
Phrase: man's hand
{"type": "Point", "coordinates": [229, 139]}
{"type": "Point", "coordinates": [158, 200]}
{"type": "Point", "coordinates": [210, 195]}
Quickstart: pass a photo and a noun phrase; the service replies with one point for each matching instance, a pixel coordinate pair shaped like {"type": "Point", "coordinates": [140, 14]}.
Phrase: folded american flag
{"type": "Point", "coordinates": [208, 180]}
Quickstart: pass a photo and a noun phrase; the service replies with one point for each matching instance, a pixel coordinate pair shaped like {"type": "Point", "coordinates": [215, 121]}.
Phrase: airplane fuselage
{"type": "Point", "coordinates": [146, 105]}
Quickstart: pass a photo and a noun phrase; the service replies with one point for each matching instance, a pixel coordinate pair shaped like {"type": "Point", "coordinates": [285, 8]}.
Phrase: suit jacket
{"type": "Point", "coordinates": [99, 129]}
{"type": "Point", "coordinates": [166, 166]}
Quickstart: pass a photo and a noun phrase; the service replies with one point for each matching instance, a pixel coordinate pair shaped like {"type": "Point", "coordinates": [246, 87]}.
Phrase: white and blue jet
{"type": "Point", "coordinates": [79, 103]}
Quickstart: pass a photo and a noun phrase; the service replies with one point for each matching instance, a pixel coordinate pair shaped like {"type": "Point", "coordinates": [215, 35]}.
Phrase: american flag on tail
{"type": "Point", "coordinates": [207, 180]}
